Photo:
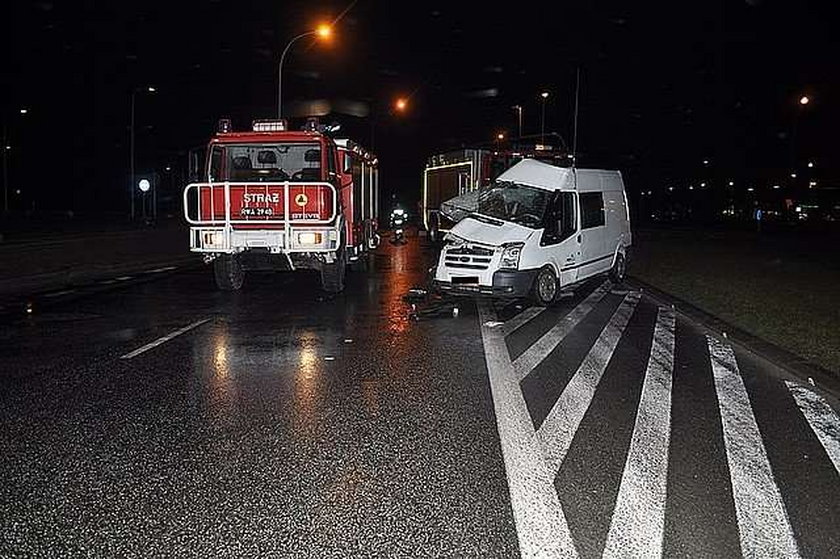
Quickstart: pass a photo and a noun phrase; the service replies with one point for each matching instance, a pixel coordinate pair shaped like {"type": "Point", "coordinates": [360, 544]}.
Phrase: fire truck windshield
{"type": "Point", "coordinates": [265, 162]}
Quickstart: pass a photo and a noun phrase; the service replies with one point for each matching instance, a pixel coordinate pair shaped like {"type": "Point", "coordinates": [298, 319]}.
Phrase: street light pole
{"type": "Point", "coordinates": [324, 31]}
{"type": "Point", "coordinates": [518, 109]}
{"type": "Point", "coordinates": [134, 91]}
{"type": "Point", "coordinates": [544, 96]}
{"type": "Point", "coordinates": [5, 168]}
{"type": "Point", "coordinates": [280, 71]}
{"type": "Point", "coordinates": [131, 156]}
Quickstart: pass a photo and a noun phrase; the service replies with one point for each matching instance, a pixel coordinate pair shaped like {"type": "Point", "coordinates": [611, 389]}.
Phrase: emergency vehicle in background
{"type": "Point", "coordinates": [276, 199]}
{"type": "Point", "coordinates": [454, 173]}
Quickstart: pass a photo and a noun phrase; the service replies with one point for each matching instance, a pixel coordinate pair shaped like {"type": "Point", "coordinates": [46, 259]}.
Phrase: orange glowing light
{"type": "Point", "coordinates": [401, 104]}
{"type": "Point", "coordinates": [324, 31]}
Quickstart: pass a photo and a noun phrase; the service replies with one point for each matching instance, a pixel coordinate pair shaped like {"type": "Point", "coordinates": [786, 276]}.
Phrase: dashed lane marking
{"type": "Point", "coordinates": [532, 357]}
{"type": "Point", "coordinates": [159, 270]}
{"type": "Point", "coordinates": [164, 339]}
{"type": "Point", "coordinates": [60, 293]}
{"type": "Point", "coordinates": [763, 524]}
{"type": "Point", "coordinates": [541, 525]}
{"type": "Point", "coordinates": [638, 522]}
{"type": "Point", "coordinates": [124, 278]}
{"type": "Point", "coordinates": [562, 422]}
{"type": "Point", "coordinates": [822, 419]}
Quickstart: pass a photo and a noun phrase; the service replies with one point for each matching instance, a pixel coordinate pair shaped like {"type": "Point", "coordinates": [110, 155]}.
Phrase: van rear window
{"type": "Point", "coordinates": [591, 210]}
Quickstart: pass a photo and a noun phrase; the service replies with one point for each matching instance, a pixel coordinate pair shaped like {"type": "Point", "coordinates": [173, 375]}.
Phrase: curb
{"type": "Point", "coordinates": [790, 362]}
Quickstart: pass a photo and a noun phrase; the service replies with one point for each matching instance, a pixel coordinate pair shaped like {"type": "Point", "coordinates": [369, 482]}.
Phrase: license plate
{"type": "Point", "coordinates": [257, 212]}
{"type": "Point", "coordinates": [465, 279]}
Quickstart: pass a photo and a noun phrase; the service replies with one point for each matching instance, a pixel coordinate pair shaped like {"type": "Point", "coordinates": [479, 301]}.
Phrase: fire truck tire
{"type": "Point", "coordinates": [360, 265]}
{"type": "Point", "coordinates": [332, 275]}
{"type": "Point", "coordinates": [229, 273]}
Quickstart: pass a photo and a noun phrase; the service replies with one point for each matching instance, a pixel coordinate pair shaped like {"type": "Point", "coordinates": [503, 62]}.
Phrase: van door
{"type": "Point", "coordinates": [592, 235]}
{"type": "Point", "coordinates": [559, 240]}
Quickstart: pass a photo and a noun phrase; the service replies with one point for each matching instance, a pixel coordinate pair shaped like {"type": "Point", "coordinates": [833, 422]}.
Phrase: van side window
{"type": "Point", "coordinates": [591, 210]}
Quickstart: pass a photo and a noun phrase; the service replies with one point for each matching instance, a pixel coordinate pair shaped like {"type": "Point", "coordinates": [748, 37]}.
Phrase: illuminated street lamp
{"type": "Point", "coordinates": [323, 32]}
{"type": "Point", "coordinates": [401, 104]}
{"type": "Point", "coordinates": [134, 92]}
{"type": "Point", "coordinates": [804, 100]}
{"type": "Point", "coordinates": [544, 96]}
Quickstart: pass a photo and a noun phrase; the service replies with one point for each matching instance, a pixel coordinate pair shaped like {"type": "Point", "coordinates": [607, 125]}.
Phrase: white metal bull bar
{"type": "Point", "coordinates": [219, 235]}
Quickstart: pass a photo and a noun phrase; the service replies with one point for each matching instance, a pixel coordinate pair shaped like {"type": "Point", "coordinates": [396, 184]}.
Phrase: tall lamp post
{"type": "Point", "coordinates": [802, 103]}
{"type": "Point", "coordinates": [518, 109]}
{"type": "Point", "coordinates": [6, 149]}
{"type": "Point", "coordinates": [134, 92]}
{"type": "Point", "coordinates": [544, 96]}
{"type": "Point", "coordinates": [324, 32]}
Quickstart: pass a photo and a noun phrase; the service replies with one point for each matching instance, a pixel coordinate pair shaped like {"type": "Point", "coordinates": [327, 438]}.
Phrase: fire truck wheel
{"type": "Point", "coordinates": [229, 273]}
{"type": "Point", "coordinates": [332, 275]}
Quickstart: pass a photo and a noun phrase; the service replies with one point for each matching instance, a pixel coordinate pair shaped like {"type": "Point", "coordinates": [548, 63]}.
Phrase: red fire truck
{"type": "Point", "coordinates": [276, 199]}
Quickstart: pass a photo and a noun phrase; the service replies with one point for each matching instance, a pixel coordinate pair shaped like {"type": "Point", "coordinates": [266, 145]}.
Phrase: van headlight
{"type": "Point", "coordinates": [510, 256]}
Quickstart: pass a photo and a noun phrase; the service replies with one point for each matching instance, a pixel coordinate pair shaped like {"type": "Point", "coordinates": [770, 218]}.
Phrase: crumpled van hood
{"type": "Point", "coordinates": [473, 230]}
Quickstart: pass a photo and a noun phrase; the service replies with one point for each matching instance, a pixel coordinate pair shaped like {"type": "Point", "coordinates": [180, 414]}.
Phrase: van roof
{"type": "Point", "coordinates": [550, 177]}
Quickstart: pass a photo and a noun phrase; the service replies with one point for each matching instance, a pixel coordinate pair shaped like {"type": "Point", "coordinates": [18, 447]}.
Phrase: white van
{"type": "Point", "coordinates": [536, 230]}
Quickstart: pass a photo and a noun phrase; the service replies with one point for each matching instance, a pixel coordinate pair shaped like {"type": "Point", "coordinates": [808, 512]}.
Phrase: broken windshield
{"type": "Point", "coordinates": [507, 201]}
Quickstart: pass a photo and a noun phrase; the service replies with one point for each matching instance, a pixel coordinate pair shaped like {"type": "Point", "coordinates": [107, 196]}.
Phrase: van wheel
{"type": "Point", "coordinates": [545, 287]}
{"type": "Point", "coordinates": [229, 273]}
{"type": "Point", "coordinates": [619, 269]}
{"type": "Point", "coordinates": [332, 275]}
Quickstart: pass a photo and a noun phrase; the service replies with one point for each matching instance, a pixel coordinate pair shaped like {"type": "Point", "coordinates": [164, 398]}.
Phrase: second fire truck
{"type": "Point", "coordinates": [276, 199]}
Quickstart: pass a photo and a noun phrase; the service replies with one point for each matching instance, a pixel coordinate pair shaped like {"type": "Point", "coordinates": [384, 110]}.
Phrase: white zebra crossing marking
{"type": "Point", "coordinates": [763, 525]}
{"type": "Point", "coordinates": [541, 525]}
{"type": "Point", "coordinates": [822, 419]}
{"type": "Point", "coordinates": [559, 427]}
{"type": "Point", "coordinates": [525, 316]}
{"type": "Point", "coordinates": [532, 357]}
{"type": "Point", "coordinates": [638, 522]}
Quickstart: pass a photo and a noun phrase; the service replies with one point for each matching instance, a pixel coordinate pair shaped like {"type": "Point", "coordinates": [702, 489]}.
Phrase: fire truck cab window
{"type": "Point", "coordinates": [266, 163]}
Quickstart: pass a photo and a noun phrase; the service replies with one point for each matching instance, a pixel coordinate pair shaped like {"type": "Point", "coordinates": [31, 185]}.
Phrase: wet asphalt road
{"type": "Point", "coordinates": [290, 425]}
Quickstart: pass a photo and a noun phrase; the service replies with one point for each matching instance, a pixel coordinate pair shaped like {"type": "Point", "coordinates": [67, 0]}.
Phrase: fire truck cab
{"type": "Point", "coordinates": [275, 199]}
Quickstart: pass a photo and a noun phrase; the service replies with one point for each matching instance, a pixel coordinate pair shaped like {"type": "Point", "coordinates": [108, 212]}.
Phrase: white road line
{"type": "Point", "coordinates": [821, 418]}
{"type": "Point", "coordinates": [164, 339]}
{"type": "Point", "coordinates": [561, 424]}
{"type": "Point", "coordinates": [763, 523]}
{"type": "Point", "coordinates": [124, 278]}
{"type": "Point", "coordinates": [638, 522]}
{"type": "Point", "coordinates": [532, 357]}
{"type": "Point", "coordinates": [164, 269]}
{"type": "Point", "coordinates": [60, 293]}
{"type": "Point", "coordinates": [527, 315]}
{"type": "Point", "coordinates": [541, 525]}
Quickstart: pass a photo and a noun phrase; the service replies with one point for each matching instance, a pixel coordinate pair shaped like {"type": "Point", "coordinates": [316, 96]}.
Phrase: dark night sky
{"type": "Point", "coordinates": [664, 84]}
